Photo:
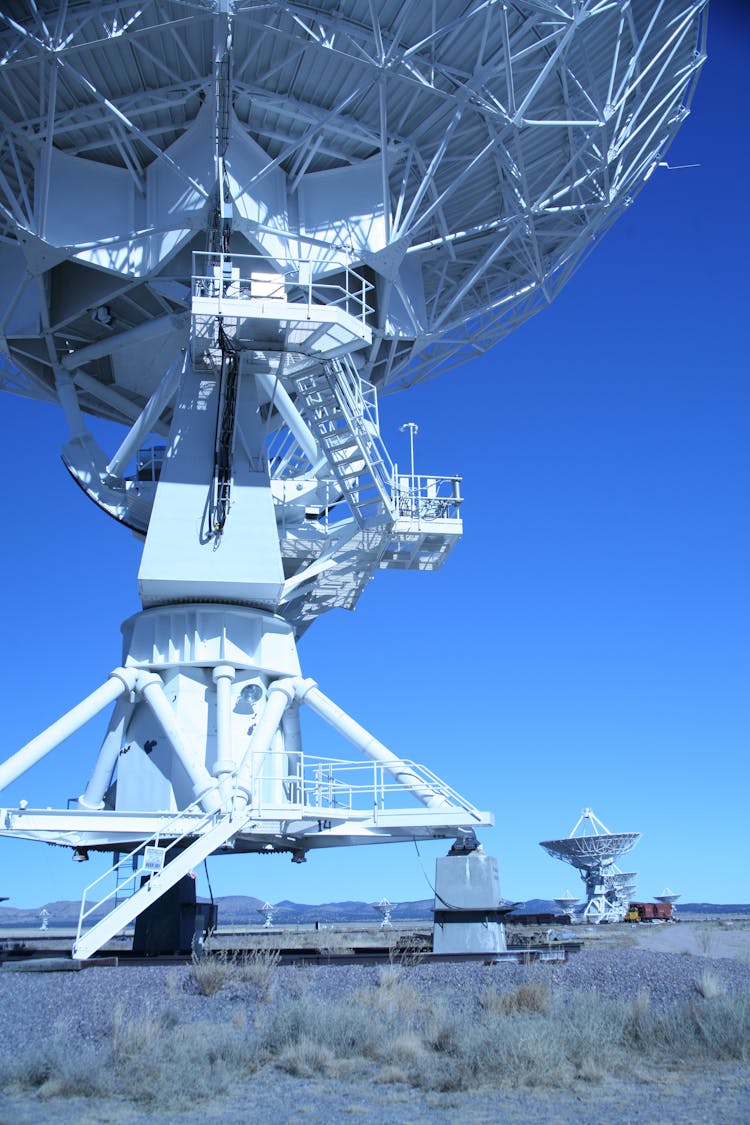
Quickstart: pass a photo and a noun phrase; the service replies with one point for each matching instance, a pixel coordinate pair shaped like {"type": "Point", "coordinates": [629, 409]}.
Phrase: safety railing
{"type": "Point", "coordinates": [178, 828]}
{"type": "Point", "coordinates": [426, 497]}
{"type": "Point", "coordinates": [314, 785]}
{"type": "Point", "coordinates": [244, 277]}
{"type": "Point", "coordinates": [350, 786]}
{"type": "Point", "coordinates": [149, 463]}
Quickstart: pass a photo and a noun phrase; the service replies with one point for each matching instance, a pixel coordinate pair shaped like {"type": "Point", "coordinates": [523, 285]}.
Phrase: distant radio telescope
{"type": "Point", "coordinates": [593, 853]}
{"type": "Point", "coordinates": [226, 226]}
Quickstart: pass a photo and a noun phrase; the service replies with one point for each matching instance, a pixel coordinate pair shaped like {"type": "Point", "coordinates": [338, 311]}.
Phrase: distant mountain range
{"type": "Point", "coordinates": [234, 910]}
{"type": "Point", "coordinates": [242, 910]}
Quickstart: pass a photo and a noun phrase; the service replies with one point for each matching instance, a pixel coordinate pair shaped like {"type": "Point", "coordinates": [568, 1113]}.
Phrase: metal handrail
{"type": "Point", "coordinates": [319, 784]}
{"type": "Point", "coordinates": [425, 497]}
{"type": "Point", "coordinates": [317, 777]}
{"type": "Point", "coordinates": [361, 399]}
{"type": "Point", "coordinates": [253, 277]}
{"type": "Point", "coordinates": [153, 841]}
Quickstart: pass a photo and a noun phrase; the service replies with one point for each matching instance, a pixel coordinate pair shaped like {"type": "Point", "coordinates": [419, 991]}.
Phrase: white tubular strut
{"type": "Point", "coordinates": [161, 397]}
{"type": "Point", "coordinates": [291, 415]}
{"type": "Point", "coordinates": [280, 694]}
{"type": "Point", "coordinates": [141, 334]}
{"type": "Point", "coordinates": [101, 775]}
{"type": "Point", "coordinates": [66, 393]}
{"type": "Point", "coordinates": [204, 786]}
{"type": "Point", "coordinates": [292, 731]}
{"type": "Point", "coordinates": [311, 694]}
{"type": "Point", "coordinates": [223, 675]}
{"type": "Point", "coordinates": [120, 680]}
{"type": "Point", "coordinates": [274, 785]}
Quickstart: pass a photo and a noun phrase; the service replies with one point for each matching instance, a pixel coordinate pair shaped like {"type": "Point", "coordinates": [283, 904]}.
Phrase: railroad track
{"type": "Point", "coordinates": [555, 951]}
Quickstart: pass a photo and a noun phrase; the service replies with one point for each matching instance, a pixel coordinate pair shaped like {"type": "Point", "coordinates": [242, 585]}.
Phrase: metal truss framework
{"type": "Point", "coordinates": [505, 138]}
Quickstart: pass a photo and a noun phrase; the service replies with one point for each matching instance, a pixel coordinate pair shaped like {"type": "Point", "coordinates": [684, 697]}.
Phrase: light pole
{"type": "Point", "coordinates": [413, 429]}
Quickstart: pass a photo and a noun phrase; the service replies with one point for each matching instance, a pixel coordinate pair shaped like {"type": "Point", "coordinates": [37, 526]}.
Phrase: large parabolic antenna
{"type": "Point", "coordinates": [592, 849]}
{"type": "Point", "coordinates": [227, 226]}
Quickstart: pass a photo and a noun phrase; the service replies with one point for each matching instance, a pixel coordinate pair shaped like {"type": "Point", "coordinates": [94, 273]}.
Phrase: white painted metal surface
{"type": "Point", "coordinates": [226, 226]}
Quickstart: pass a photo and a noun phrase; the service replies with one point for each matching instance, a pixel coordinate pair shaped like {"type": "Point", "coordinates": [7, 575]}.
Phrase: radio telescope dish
{"type": "Point", "coordinates": [584, 851]}
{"type": "Point", "coordinates": [625, 882]}
{"type": "Point", "coordinates": [567, 902]}
{"type": "Point", "coordinates": [226, 226]}
{"type": "Point", "coordinates": [593, 853]}
{"type": "Point", "coordinates": [669, 898]}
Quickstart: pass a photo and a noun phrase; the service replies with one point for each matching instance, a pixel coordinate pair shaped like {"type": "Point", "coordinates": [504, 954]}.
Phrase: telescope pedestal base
{"type": "Point", "coordinates": [468, 907]}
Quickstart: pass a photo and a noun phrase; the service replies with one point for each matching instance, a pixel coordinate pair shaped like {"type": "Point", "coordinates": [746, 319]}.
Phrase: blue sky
{"type": "Point", "coordinates": [587, 641]}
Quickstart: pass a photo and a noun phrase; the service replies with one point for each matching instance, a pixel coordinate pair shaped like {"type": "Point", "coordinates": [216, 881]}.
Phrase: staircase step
{"type": "Point", "coordinates": [335, 398]}
{"type": "Point", "coordinates": [338, 440]}
{"type": "Point", "coordinates": [129, 909]}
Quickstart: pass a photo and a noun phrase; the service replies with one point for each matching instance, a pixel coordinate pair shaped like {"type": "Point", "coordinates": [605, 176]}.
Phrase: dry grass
{"type": "Point", "coordinates": [212, 972]}
{"type": "Point", "coordinates": [709, 985]}
{"type": "Point", "coordinates": [388, 1033]}
{"type": "Point", "coordinates": [526, 1037]}
{"type": "Point", "coordinates": [393, 993]}
{"type": "Point", "coordinates": [306, 1058]}
{"type": "Point", "coordinates": [525, 998]}
{"type": "Point", "coordinates": [705, 939]}
{"type": "Point", "coordinates": [151, 1058]}
{"type": "Point", "coordinates": [407, 950]}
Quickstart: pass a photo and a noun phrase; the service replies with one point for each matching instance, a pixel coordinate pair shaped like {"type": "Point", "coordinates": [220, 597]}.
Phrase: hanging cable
{"type": "Point", "coordinates": [208, 880]}
{"type": "Point", "coordinates": [447, 905]}
{"type": "Point", "coordinates": [224, 440]}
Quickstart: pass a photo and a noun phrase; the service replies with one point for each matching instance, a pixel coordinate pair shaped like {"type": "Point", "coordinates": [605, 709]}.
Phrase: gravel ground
{"type": "Point", "coordinates": [80, 1006]}
{"type": "Point", "coordinates": [720, 1098]}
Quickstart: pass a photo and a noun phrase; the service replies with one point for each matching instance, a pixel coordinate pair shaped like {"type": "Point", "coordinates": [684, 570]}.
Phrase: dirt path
{"type": "Point", "coordinates": [701, 939]}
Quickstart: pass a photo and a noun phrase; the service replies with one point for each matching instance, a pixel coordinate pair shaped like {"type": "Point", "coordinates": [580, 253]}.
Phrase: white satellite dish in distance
{"type": "Point", "coordinates": [592, 849]}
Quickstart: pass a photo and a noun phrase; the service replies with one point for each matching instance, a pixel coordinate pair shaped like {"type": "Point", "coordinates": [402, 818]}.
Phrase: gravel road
{"type": "Point", "coordinates": [79, 1007]}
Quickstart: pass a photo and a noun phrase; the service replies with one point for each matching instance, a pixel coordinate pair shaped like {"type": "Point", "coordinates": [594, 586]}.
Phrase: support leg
{"type": "Point", "coordinates": [101, 776]}
{"type": "Point", "coordinates": [120, 680]}
{"type": "Point", "coordinates": [369, 745]}
{"type": "Point", "coordinates": [204, 786]}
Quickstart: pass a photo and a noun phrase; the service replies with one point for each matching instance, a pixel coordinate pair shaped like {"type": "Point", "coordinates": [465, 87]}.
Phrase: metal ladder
{"type": "Point", "coordinates": [343, 422]}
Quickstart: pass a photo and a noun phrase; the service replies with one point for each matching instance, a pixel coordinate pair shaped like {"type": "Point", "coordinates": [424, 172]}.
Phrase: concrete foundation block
{"type": "Point", "coordinates": [468, 906]}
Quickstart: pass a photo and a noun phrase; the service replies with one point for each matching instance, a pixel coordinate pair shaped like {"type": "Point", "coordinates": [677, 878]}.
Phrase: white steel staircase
{"type": "Point", "coordinates": [88, 941]}
{"type": "Point", "coordinates": [338, 413]}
